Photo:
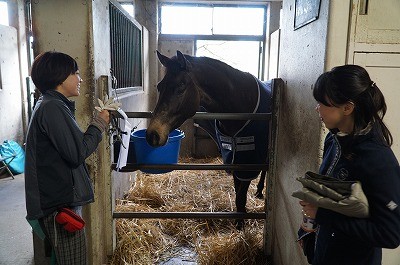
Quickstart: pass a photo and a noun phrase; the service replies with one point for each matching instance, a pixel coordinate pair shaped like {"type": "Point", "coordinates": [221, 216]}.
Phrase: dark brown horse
{"type": "Point", "coordinates": [192, 84]}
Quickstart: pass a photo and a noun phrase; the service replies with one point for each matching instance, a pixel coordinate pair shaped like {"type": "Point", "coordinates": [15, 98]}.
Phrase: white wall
{"type": "Point", "coordinates": [11, 118]}
{"type": "Point", "coordinates": [14, 70]}
{"type": "Point", "coordinates": [301, 61]}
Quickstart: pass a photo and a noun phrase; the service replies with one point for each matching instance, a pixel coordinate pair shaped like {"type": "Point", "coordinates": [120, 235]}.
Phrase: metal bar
{"type": "Point", "coordinates": [189, 215]}
{"type": "Point", "coordinates": [211, 37]}
{"type": "Point", "coordinates": [235, 167]}
{"type": "Point", "coordinates": [205, 115]}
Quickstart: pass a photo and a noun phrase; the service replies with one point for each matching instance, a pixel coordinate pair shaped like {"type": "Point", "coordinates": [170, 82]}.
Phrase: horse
{"type": "Point", "coordinates": [192, 84]}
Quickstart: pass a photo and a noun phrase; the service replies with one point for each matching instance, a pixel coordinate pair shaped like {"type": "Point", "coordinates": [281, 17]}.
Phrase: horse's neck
{"type": "Point", "coordinates": [234, 96]}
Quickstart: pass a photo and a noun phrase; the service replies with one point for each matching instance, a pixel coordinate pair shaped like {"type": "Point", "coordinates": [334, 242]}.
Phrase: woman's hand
{"type": "Point", "coordinates": [105, 115]}
{"type": "Point", "coordinates": [310, 210]}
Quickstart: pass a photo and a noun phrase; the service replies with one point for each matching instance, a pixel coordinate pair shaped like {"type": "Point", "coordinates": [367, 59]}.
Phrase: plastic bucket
{"type": "Point", "coordinates": [167, 154]}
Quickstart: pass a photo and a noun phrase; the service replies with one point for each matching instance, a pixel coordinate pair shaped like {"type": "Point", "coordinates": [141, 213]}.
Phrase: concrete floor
{"type": "Point", "coordinates": [16, 243]}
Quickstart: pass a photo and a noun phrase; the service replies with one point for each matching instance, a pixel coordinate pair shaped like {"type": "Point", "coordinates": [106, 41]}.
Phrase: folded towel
{"type": "Point", "coordinates": [345, 197]}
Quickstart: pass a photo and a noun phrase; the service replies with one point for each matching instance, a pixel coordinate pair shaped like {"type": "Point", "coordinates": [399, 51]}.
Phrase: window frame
{"type": "Point", "coordinates": [222, 37]}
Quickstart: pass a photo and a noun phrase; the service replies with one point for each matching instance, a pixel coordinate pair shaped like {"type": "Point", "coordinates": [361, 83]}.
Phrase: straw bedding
{"type": "Point", "coordinates": [190, 241]}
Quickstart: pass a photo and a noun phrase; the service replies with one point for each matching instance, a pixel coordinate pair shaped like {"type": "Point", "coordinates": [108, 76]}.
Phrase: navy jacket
{"type": "Point", "coordinates": [56, 149]}
{"type": "Point", "coordinates": [342, 240]}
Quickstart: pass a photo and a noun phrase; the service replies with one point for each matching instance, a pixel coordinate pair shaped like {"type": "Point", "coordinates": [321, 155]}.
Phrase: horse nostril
{"type": "Point", "coordinates": [153, 139]}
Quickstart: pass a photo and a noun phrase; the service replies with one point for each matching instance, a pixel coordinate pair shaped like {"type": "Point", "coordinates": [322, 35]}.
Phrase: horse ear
{"type": "Point", "coordinates": [164, 60]}
{"type": "Point", "coordinates": [183, 62]}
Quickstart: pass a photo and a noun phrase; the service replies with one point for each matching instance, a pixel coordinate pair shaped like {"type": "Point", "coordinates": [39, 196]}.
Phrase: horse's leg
{"type": "Point", "coordinates": [241, 188]}
{"type": "Point", "coordinates": [260, 185]}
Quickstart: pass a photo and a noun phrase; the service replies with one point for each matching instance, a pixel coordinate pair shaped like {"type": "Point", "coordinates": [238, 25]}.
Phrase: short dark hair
{"type": "Point", "coordinates": [51, 68]}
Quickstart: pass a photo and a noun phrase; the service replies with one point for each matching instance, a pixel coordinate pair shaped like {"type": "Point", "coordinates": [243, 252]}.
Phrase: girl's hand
{"type": "Point", "coordinates": [310, 210]}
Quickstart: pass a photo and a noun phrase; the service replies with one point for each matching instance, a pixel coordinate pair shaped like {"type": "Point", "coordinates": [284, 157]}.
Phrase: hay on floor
{"type": "Point", "coordinates": [153, 241]}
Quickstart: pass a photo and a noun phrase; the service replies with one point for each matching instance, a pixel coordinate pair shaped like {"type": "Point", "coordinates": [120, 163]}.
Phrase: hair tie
{"type": "Point", "coordinates": [373, 84]}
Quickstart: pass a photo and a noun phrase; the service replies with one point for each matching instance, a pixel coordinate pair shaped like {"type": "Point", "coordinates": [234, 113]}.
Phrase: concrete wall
{"type": "Point", "coordinates": [10, 88]}
{"type": "Point", "coordinates": [302, 60]}
{"type": "Point", "coordinates": [99, 214]}
{"type": "Point", "coordinates": [13, 72]}
{"type": "Point", "coordinates": [146, 13]}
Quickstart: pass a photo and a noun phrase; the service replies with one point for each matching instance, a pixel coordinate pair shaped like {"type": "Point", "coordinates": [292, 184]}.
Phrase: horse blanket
{"type": "Point", "coordinates": [249, 144]}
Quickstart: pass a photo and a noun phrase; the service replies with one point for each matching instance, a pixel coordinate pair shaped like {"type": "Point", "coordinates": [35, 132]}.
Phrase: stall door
{"type": "Point", "coordinates": [384, 69]}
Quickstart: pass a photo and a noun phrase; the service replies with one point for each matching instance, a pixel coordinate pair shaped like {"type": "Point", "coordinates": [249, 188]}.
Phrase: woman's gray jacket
{"type": "Point", "coordinates": [55, 171]}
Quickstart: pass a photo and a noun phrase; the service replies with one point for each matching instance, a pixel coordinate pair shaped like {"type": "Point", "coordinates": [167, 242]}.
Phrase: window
{"type": "Point", "coordinates": [211, 20]}
{"type": "Point", "coordinates": [126, 49]}
{"type": "Point", "coordinates": [4, 13]}
{"type": "Point", "coordinates": [234, 34]}
{"type": "Point", "coordinates": [226, 51]}
{"type": "Point", "coordinates": [176, 19]}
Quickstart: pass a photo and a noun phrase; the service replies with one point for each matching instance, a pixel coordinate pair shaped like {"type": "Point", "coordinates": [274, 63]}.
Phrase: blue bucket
{"type": "Point", "coordinates": [167, 154]}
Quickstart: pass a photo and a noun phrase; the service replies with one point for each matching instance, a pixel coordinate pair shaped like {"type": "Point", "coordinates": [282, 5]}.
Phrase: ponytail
{"type": "Point", "coordinates": [351, 83]}
{"type": "Point", "coordinates": [380, 110]}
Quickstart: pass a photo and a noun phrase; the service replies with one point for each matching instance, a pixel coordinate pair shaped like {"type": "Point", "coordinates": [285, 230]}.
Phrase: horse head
{"type": "Point", "coordinates": [179, 99]}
